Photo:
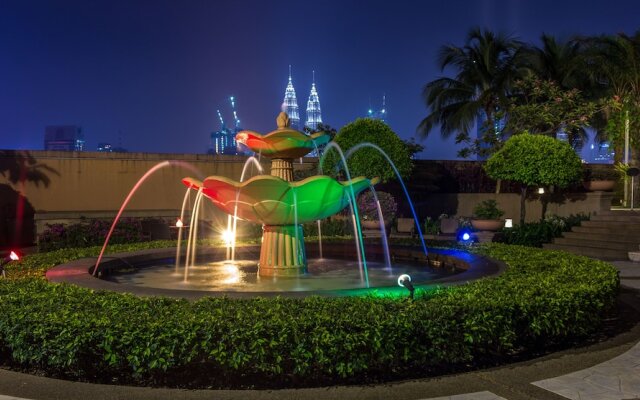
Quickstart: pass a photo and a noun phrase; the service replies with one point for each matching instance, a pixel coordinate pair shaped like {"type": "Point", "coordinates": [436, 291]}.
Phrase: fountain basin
{"type": "Point", "coordinates": [338, 276]}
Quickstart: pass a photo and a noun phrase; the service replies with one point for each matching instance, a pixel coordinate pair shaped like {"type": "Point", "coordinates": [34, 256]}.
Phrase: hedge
{"type": "Point", "coordinates": [544, 298]}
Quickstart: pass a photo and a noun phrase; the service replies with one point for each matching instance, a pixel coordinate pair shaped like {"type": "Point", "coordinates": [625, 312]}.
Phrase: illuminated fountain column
{"type": "Point", "coordinates": [282, 252]}
{"type": "Point", "coordinates": [282, 168]}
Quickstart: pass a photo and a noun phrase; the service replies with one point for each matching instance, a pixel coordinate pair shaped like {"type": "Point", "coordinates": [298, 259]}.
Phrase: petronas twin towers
{"type": "Point", "coordinates": [290, 106]}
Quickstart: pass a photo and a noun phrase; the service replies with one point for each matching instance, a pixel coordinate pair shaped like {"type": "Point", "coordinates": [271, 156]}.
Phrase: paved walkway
{"type": "Point", "coordinates": [602, 371]}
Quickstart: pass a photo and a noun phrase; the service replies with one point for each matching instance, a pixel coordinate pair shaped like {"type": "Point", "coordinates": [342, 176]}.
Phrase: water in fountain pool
{"type": "Point", "coordinates": [242, 276]}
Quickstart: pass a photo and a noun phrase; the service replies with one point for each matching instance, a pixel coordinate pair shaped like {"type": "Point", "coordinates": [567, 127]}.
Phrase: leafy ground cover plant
{"type": "Point", "coordinates": [535, 234]}
{"type": "Point", "coordinates": [542, 299]}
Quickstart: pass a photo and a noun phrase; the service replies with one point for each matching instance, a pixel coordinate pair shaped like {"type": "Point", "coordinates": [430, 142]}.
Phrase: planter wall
{"type": "Point", "coordinates": [487, 224]}
{"type": "Point", "coordinates": [599, 185]}
{"type": "Point", "coordinates": [462, 204]}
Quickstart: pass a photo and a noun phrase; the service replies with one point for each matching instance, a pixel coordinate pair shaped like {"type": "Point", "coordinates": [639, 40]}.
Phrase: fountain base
{"type": "Point", "coordinates": [282, 252]}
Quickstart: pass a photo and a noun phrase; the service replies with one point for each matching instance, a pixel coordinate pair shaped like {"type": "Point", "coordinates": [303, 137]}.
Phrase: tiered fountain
{"type": "Point", "coordinates": [276, 201]}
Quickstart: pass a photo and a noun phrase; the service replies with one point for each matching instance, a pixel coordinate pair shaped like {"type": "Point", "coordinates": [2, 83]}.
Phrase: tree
{"type": "Point", "coordinates": [485, 69]}
{"type": "Point", "coordinates": [615, 62]}
{"type": "Point", "coordinates": [368, 161]}
{"type": "Point", "coordinates": [535, 160]}
{"type": "Point", "coordinates": [544, 107]}
{"type": "Point", "coordinates": [559, 61]}
{"type": "Point", "coordinates": [326, 128]}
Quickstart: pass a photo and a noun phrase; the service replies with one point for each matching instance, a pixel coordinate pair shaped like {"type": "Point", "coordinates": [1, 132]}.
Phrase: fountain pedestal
{"type": "Point", "coordinates": [282, 252]}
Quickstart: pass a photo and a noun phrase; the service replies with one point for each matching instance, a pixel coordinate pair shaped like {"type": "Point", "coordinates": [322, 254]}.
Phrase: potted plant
{"type": "Point", "coordinates": [487, 216]}
{"type": "Point", "coordinates": [368, 209]}
{"type": "Point", "coordinates": [431, 227]}
{"type": "Point", "coordinates": [600, 179]}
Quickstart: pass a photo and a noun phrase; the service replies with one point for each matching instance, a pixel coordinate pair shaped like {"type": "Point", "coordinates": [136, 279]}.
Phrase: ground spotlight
{"type": "Point", "coordinates": [404, 280]}
{"type": "Point", "coordinates": [465, 237]}
{"type": "Point", "coordinates": [13, 256]}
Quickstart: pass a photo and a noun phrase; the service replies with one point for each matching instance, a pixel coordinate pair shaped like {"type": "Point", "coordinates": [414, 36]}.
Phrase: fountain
{"type": "Point", "coordinates": [278, 202]}
{"type": "Point", "coordinates": [281, 205]}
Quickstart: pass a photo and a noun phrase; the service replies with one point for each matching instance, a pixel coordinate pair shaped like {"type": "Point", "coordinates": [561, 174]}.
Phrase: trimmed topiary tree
{"type": "Point", "coordinates": [535, 160]}
{"type": "Point", "coordinates": [368, 161]}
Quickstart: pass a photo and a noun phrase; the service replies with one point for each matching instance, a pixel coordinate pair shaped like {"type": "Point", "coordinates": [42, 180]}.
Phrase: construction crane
{"type": "Point", "coordinates": [222, 127]}
{"type": "Point", "coordinates": [235, 114]}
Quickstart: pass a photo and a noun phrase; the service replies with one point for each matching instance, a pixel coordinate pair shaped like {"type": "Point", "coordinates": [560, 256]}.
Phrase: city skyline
{"type": "Point", "coordinates": [150, 74]}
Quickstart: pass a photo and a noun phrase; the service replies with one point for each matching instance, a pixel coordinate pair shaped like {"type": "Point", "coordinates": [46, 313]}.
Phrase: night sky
{"type": "Point", "coordinates": [150, 74]}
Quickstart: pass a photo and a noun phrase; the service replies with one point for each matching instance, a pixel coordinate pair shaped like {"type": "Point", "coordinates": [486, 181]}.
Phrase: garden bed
{"type": "Point", "coordinates": [544, 299]}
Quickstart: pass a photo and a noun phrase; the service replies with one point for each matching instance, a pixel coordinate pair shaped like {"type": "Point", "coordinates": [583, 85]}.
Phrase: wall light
{"type": "Point", "coordinates": [540, 190]}
{"type": "Point", "coordinates": [508, 223]}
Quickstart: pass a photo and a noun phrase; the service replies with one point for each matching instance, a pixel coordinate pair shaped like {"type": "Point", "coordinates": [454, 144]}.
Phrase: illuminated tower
{"type": "Point", "coordinates": [290, 103]}
{"type": "Point", "coordinates": [314, 115]}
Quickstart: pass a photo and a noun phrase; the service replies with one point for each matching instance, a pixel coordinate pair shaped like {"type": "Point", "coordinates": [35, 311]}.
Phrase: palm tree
{"type": "Point", "coordinates": [615, 62]}
{"type": "Point", "coordinates": [485, 69]}
{"type": "Point", "coordinates": [562, 66]}
{"type": "Point", "coordinates": [559, 61]}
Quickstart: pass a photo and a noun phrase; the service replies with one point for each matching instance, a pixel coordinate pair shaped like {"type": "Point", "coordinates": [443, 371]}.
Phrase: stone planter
{"type": "Point", "coordinates": [487, 224]}
{"type": "Point", "coordinates": [599, 185]}
{"type": "Point", "coordinates": [370, 224]}
{"type": "Point", "coordinates": [374, 225]}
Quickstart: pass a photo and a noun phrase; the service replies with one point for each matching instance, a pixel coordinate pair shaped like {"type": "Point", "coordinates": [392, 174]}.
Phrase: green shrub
{"type": "Point", "coordinates": [542, 299]}
{"type": "Point", "coordinates": [330, 227]}
{"type": "Point", "coordinates": [487, 209]}
{"type": "Point", "coordinates": [535, 234]}
{"type": "Point", "coordinates": [368, 208]}
{"type": "Point", "coordinates": [90, 233]}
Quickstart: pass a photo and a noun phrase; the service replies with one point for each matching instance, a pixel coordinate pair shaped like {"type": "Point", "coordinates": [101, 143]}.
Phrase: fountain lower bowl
{"type": "Point", "coordinates": [337, 275]}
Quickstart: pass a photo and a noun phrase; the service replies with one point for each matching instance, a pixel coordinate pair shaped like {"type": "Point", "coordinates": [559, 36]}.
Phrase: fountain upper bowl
{"type": "Point", "coordinates": [271, 200]}
{"type": "Point", "coordinates": [282, 143]}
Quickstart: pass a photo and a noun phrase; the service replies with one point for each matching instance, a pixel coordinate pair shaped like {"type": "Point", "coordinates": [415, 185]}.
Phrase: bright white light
{"type": "Point", "coordinates": [402, 278]}
{"type": "Point", "coordinates": [14, 256]}
{"type": "Point", "coordinates": [465, 236]}
{"type": "Point", "coordinates": [541, 190]}
{"type": "Point", "coordinates": [232, 274]}
{"type": "Point", "coordinates": [508, 223]}
{"type": "Point", "coordinates": [227, 236]}
{"type": "Point", "coordinates": [179, 223]}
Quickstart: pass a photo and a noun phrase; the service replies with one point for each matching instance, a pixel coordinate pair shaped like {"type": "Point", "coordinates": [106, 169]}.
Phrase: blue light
{"type": "Point", "coordinates": [465, 237]}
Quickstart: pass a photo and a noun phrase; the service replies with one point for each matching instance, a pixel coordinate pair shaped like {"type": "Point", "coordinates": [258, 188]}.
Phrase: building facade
{"type": "Point", "coordinates": [290, 104]}
{"type": "Point", "coordinates": [314, 112]}
{"type": "Point", "coordinates": [64, 138]}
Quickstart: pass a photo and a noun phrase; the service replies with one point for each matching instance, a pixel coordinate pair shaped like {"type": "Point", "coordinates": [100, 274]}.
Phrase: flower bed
{"type": "Point", "coordinates": [543, 299]}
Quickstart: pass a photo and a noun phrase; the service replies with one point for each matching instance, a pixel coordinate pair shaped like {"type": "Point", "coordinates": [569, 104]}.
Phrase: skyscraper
{"type": "Point", "coordinates": [290, 103]}
{"type": "Point", "coordinates": [314, 114]}
{"type": "Point", "coordinates": [63, 137]}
